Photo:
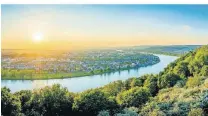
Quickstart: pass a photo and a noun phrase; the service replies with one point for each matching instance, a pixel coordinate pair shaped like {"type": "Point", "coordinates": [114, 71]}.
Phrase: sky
{"type": "Point", "coordinates": [69, 27]}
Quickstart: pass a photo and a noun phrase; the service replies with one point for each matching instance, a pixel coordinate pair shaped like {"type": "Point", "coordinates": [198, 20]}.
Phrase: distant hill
{"type": "Point", "coordinates": [176, 50]}
{"type": "Point", "coordinates": [190, 64]}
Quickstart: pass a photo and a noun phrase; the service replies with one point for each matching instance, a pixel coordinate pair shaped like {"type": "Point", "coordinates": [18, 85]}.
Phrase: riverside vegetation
{"type": "Point", "coordinates": [180, 90]}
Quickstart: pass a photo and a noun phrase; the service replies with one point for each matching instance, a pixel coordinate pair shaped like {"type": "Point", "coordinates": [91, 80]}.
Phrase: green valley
{"type": "Point", "coordinates": [180, 90]}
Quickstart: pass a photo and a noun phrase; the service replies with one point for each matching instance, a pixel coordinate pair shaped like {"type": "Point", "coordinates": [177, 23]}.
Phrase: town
{"type": "Point", "coordinates": [89, 61]}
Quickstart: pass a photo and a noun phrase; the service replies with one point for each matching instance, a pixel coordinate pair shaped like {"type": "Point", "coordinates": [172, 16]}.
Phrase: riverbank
{"type": "Point", "coordinates": [87, 82]}
{"type": "Point", "coordinates": [29, 75]}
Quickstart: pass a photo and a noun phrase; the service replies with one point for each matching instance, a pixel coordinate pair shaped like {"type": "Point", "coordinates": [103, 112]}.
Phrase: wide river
{"type": "Point", "coordinates": [79, 84]}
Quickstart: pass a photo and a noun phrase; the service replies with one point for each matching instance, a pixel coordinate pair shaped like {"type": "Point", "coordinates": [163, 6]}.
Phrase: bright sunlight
{"type": "Point", "coordinates": [37, 37]}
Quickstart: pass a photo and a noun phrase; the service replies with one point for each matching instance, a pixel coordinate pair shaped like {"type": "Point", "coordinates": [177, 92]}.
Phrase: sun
{"type": "Point", "coordinates": [37, 37]}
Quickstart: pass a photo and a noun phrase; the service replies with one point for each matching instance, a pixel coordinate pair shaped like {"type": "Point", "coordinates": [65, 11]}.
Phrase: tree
{"type": "Point", "coordinates": [194, 67]}
{"type": "Point", "coordinates": [136, 82]}
{"type": "Point", "coordinates": [24, 96]}
{"type": "Point", "coordinates": [202, 55]}
{"type": "Point", "coordinates": [133, 97]}
{"type": "Point", "coordinates": [10, 104]}
{"type": "Point", "coordinates": [151, 84]}
{"type": "Point", "coordinates": [113, 88]}
{"type": "Point", "coordinates": [51, 101]}
{"type": "Point", "coordinates": [90, 102]}
{"type": "Point", "coordinates": [133, 82]}
{"type": "Point", "coordinates": [167, 80]}
{"type": "Point", "coordinates": [127, 83]}
{"type": "Point", "coordinates": [182, 69]}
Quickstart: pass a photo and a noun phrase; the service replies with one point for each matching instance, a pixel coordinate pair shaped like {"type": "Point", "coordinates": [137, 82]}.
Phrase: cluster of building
{"type": "Point", "coordinates": [84, 62]}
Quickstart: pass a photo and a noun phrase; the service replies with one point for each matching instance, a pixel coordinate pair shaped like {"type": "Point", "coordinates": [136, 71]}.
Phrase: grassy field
{"type": "Point", "coordinates": [24, 75]}
{"type": "Point", "coordinates": [44, 75]}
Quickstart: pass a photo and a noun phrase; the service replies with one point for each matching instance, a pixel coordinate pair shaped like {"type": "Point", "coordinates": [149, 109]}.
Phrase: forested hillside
{"type": "Point", "coordinates": [180, 90]}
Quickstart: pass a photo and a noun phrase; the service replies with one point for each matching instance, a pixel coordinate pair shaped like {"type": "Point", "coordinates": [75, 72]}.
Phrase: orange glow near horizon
{"type": "Point", "coordinates": [54, 27]}
{"type": "Point", "coordinates": [82, 43]}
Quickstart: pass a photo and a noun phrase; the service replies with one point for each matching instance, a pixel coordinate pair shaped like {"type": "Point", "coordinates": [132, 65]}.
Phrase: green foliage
{"type": "Point", "coordinates": [204, 70]}
{"type": "Point", "coordinates": [134, 97]}
{"type": "Point", "coordinates": [193, 82]}
{"type": "Point", "coordinates": [167, 80]}
{"type": "Point", "coordinates": [190, 64]}
{"type": "Point", "coordinates": [127, 83]}
{"type": "Point", "coordinates": [151, 84]}
{"type": "Point", "coordinates": [91, 102]}
{"type": "Point", "coordinates": [182, 69]}
{"type": "Point", "coordinates": [202, 55]}
{"type": "Point", "coordinates": [50, 101]}
{"type": "Point", "coordinates": [194, 67]}
{"type": "Point", "coordinates": [24, 96]}
{"type": "Point", "coordinates": [180, 83]}
{"type": "Point", "coordinates": [206, 83]}
{"type": "Point", "coordinates": [196, 112]}
{"type": "Point", "coordinates": [136, 82]}
{"type": "Point", "coordinates": [113, 88]}
{"type": "Point", "coordinates": [148, 108]}
{"type": "Point", "coordinates": [156, 112]}
{"type": "Point", "coordinates": [127, 112]}
{"type": "Point", "coordinates": [103, 113]}
{"type": "Point", "coordinates": [204, 102]}
{"type": "Point", "coordinates": [10, 104]}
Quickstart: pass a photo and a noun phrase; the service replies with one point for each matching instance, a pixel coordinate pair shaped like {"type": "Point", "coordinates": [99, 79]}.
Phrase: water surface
{"type": "Point", "coordinates": [79, 84]}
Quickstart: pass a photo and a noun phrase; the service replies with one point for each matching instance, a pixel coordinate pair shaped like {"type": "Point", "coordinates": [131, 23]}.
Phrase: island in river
{"type": "Point", "coordinates": [34, 65]}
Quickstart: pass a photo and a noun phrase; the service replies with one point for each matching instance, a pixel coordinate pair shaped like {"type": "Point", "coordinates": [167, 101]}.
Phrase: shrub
{"type": "Point", "coordinates": [103, 113]}
{"type": "Point", "coordinates": [147, 108]}
{"type": "Point", "coordinates": [196, 112]}
{"type": "Point", "coordinates": [204, 71]}
{"type": "Point", "coordinates": [134, 97]}
{"type": "Point", "coordinates": [127, 112]}
{"type": "Point", "coordinates": [206, 83]}
{"type": "Point", "coordinates": [156, 112]}
{"type": "Point", "coordinates": [193, 82]}
{"type": "Point", "coordinates": [204, 102]}
{"type": "Point", "coordinates": [180, 83]}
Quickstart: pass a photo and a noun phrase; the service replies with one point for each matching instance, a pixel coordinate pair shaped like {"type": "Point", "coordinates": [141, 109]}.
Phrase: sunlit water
{"type": "Point", "coordinates": [83, 83]}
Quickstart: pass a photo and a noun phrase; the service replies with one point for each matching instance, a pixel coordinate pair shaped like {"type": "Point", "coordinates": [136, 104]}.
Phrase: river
{"type": "Point", "coordinates": [79, 84]}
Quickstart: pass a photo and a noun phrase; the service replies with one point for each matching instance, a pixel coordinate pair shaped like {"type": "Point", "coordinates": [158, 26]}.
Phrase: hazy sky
{"type": "Point", "coordinates": [84, 26]}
